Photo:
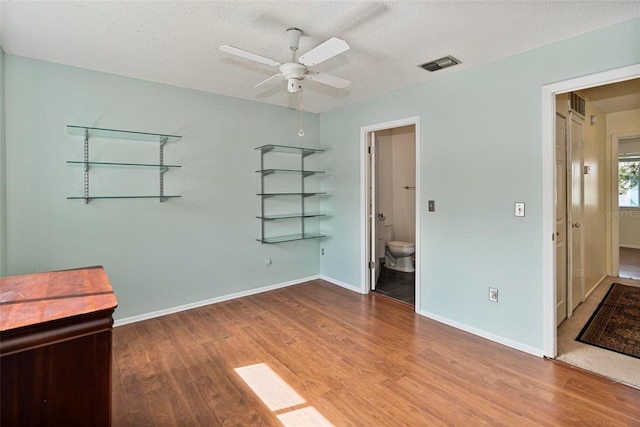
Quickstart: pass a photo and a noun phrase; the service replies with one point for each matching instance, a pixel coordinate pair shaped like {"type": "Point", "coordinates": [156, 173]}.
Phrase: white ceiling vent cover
{"type": "Point", "coordinates": [438, 64]}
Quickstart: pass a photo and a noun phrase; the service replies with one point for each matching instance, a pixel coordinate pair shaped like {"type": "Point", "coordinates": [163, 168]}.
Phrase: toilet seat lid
{"type": "Point", "coordinates": [400, 243]}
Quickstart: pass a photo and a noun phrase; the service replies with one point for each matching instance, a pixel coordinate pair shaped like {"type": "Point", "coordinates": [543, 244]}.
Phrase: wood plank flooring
{"type": "Point", "coordinates": [360, 360]}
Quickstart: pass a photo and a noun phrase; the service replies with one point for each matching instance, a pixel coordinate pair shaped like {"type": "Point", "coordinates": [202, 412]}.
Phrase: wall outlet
{"type": "Point", "coordinates": [493, 294]}
{"type": "Point", "coordinates": [322, 251]}
{"type": "Point", "coordinates": [267, 262]}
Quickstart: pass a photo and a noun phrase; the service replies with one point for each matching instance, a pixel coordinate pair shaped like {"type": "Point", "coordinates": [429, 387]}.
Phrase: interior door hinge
{"type": "Point", "coordinates": [372, 265]}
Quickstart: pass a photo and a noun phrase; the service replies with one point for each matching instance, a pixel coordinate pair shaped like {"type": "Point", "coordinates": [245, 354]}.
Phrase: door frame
{"type": "Point", "coordinates": [549, 92]}
{"type": "Point", "coordinates": [365, 224]}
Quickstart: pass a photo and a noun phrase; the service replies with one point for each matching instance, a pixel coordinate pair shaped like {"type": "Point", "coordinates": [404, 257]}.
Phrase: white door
{"type": "Point", "coordinates": [561, 218]}
{"type": "Point", "coordinates": [576, 254]}
{"type": "Point", "coordinates": [373, 211]}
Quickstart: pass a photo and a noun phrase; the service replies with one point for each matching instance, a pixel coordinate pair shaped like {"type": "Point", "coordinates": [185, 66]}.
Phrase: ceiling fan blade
{"type": "Point", "coordinates": [329, 80]}
{"type": "Point", "coordinates": [248, 55]}
{"type": "Point", "coordinates": [270, 78]}
{"type": "Point", "coordinates": [332, 47]}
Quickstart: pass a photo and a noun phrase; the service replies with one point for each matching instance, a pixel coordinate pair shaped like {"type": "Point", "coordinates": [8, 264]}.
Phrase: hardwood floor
{"type": "Point", "coordinates": [630, 263]}
{"type": "Point", "coordinates": [360, 360]}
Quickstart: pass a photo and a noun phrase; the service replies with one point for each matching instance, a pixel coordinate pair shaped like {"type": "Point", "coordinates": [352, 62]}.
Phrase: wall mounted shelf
{"type": "Point", "coordinates": [88, 132]}
{"type": "Point", "coordinates": [301, 214]}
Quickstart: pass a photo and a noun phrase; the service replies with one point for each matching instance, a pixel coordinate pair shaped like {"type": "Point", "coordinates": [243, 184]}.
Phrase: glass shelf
{"type": "Point", "coordinates": [122, 134]}
{"type": "Point", "coordinates": [146, 165]}
{"type": "Point", "coordinates": [288, 149]}
{"type": "Point", "coordinates": [288, 216]}
{"type": "Point", "coordinates": [120, 197]}
{"type": "Point", "coordinates": [266, 172]}
{"type": "Point", "coordinates": [289, 194]}
{"type": "Point", "coordinates": [290, 238]}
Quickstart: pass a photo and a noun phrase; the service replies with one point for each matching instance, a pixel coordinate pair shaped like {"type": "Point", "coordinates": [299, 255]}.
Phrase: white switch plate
{"type": "Point", "coordinates": [519, 209]}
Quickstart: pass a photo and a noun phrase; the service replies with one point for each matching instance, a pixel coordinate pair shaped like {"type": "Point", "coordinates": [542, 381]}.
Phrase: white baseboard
{"type": "Point", "coordinates": [492, 337]}
{"type": "Point", "coordinates": [202, 303]}
{"type": "Point", "coordinates": [341, 284]}
{"type": "Point", "coordinates": [595, 286]}
{"type": "Point", "coordinates": [629, 246]}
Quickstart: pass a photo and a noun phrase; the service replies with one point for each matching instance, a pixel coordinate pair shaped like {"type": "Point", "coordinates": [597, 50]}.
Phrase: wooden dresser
{"type": "Point", "coordinates": [55, 348]}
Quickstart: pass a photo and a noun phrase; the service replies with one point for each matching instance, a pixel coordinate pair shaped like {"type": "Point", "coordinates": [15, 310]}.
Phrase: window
{"type": "Point", "coordinates": [628, 176]}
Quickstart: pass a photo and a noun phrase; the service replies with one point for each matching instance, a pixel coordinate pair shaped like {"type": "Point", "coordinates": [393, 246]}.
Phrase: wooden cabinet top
{"type": "Point", "coordinates": [32, 299]}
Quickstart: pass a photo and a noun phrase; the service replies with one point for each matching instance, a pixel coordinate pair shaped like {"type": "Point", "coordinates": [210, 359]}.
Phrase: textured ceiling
{"type": "Point", "coordinates": [616, 97]}
{"type": "Point", "coordinates": [176, 42]}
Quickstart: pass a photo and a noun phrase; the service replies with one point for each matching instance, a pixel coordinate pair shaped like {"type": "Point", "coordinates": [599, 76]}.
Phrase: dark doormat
{"type": "Point", "coordinates": [615, 325]}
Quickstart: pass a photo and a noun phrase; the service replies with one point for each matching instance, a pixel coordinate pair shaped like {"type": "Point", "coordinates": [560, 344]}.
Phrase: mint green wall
{"type": "Point", "coordinates": [157, 255]}
{"type": "Point", "coordinates": [3, 177]}
{"type": "Point", "coordinates": [480, 152]}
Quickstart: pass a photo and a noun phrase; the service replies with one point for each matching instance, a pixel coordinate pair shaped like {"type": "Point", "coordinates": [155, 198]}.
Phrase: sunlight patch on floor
{"type": "Point", "coordinates": [308, 416]}
{"type": "Point", "coordinates": [270, 388]}
{"type": "Point", "coordinates": [277, 394]}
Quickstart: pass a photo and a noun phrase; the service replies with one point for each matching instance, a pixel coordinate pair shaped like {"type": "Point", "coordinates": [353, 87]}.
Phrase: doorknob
{"type": "Point", "coordinates": [575, 225]}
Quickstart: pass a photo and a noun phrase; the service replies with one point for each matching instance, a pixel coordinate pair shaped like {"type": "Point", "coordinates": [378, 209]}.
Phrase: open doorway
{"type": "Point", "coordinates": [393, 203]}
{"type": "Point", "coordinates": [587, 171]}
{"type": "Point", "coordinates": [390, 209]}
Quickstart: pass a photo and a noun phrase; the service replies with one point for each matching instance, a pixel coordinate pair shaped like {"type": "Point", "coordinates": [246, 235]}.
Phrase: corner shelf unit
{"type": "Point", "coordinates": [161, 167]}
{"type": "Point", "coordinates": [302, 173]}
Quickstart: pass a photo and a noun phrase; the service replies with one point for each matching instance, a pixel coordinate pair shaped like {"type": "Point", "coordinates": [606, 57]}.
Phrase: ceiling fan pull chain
{"type": "Point", "coordinates": [301, 131]}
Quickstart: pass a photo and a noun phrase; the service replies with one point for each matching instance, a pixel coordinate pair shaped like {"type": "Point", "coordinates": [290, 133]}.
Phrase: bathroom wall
{"type": "Point", "coordinates": [157, 255]}
{"type": "Point", "coordinates": [397, 170]}
{"type": "Point", "coordinates": [404, 175]}
{"type": "Point", "coordinates": [384, 141]}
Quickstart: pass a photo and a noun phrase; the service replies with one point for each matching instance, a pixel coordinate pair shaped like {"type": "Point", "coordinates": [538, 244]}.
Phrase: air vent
{"type": "Point", "coordinates": [577, 104]}
{"type": "Point", "coordinates": [438, 64]}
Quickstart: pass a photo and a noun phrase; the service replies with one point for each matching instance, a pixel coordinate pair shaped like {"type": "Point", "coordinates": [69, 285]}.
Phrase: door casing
{"type": "Point", "coordinates": [365, 222]}
{"type": "Point", "coordinates": [549, 92]}
{"type": "Point", "coordinates": [561, 218]}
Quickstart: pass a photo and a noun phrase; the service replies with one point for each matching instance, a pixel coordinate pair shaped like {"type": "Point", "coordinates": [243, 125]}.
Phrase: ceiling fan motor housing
{"type": "Point", "coordinates": [294, 73]}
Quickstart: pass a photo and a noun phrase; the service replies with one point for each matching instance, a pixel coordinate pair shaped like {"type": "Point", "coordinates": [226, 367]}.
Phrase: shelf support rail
{"type": "Point", "coordinates": [163, 169]}
{"type": "Point", "coordinates": [262, 192]}
{"type": "Point", "coordinates": [302, 177]}
{"type": "Point", "coordinates": [86, 166]}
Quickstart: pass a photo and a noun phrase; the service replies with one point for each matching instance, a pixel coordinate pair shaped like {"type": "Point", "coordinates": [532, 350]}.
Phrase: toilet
{"type": "Point", "coordinates": [398, 256]}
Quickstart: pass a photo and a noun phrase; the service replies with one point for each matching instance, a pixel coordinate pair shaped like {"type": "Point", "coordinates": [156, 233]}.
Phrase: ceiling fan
{"type": "Point", "coordinates": [297, 70]}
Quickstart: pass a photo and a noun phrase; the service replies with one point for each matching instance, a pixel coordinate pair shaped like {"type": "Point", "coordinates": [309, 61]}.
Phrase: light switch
{"type": "Point", "coordinates": [432, 205]}
{"type": "Point", "coordinates": [519, 209]}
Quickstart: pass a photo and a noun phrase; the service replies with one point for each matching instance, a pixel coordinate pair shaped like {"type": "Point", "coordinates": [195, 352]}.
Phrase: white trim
{"type": "Point", "coordinates": [548, 189]}
{"type": "Point", "coordinates": [184, 307]}
{"type": "Point", "coordinates": [364, 205]}
{"type": "Point", "coordinates": [629, 246]}
{"type": "Point", "coordinates": [341, 284]}
{"type": "Point", "coordinates": [484, 334]}
{"type": "Point", "coordinates": [598, 283]}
